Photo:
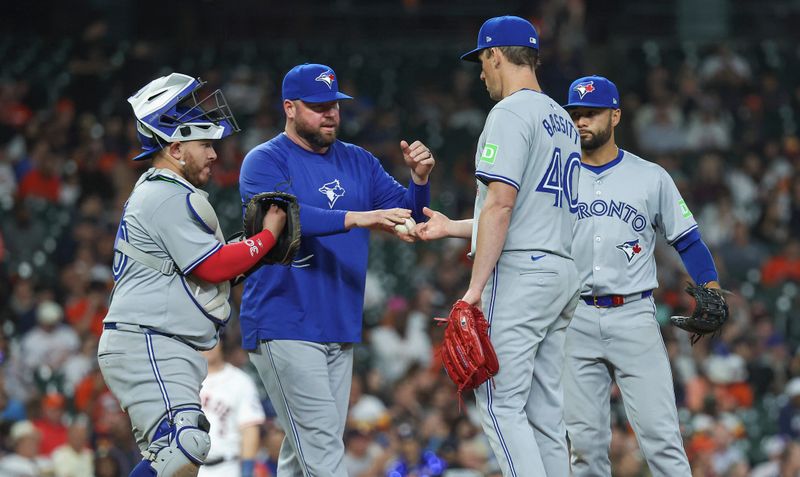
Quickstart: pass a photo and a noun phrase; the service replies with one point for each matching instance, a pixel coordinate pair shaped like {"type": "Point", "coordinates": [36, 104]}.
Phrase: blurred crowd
{"type": "Point", "coordinates": [722, 119]}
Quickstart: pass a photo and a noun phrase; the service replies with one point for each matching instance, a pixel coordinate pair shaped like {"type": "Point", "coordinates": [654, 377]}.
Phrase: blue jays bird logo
{"type": "Point", "coordinates": [584, 88]}
{"type": "Point", "coordinates": [327, 78]}
{"type": "Point", "coordinates": [630, 249]}
{"type": "Point", "coordinates": [332, 190]}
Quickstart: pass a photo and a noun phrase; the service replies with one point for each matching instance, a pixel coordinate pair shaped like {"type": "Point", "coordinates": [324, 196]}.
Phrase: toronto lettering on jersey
{"type": "Point", "coordinates": [621, 210]}
{"type": "Point", "coordinates": [556, 123]}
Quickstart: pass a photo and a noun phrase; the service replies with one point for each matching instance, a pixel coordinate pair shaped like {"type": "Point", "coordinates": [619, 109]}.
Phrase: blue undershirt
{"type": "Point", "coordinates": [696, 258]}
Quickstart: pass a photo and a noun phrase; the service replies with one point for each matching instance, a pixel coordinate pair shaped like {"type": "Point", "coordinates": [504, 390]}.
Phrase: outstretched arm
{"type": "Point", "coordinates": [440, 226]}
{"type": "Point", "coordinates": [384, 219]}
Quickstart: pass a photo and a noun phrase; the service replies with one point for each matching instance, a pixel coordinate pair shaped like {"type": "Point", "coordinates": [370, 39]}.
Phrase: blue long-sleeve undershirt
{"type": "Point", "coordinates": [696, 258]}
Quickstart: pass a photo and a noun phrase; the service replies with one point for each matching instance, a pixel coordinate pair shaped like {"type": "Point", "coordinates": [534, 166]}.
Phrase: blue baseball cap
{"type": "Point", "coordinates": [504, 31]}
{"type": "Point", "coordinates": [312, 83]}
{"type": "Point", "coordinates": [592, 92]}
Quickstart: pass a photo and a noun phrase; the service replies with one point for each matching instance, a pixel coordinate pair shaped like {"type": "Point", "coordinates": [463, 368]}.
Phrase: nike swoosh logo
{"type": "Point", "coordinates": [534, 257]}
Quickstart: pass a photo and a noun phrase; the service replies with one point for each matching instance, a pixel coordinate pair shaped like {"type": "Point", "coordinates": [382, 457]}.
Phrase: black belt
{"type": "Point", "coordinates": [146, 330]}
{"type": "Point", "coordinates": [613, 301]}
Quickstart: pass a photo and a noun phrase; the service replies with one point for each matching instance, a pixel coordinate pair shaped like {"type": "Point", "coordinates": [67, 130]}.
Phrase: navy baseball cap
{"type": "Point", "coordinates": [312, 83]}
{"type": "Point", "coordinates": [504, 31]}
{"type": "Point", "coordinates": [592, 92]}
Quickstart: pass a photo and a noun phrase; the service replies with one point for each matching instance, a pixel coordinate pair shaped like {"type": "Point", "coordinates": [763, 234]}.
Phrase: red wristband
{"type": "Point", "coordinates": [234, 259]}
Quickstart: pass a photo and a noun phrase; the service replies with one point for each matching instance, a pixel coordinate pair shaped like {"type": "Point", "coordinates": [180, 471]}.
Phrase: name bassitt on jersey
{"type": "Point", "coordinates": [530, 143]}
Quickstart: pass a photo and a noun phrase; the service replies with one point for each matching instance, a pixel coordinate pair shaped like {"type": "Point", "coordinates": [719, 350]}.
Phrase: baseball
{"type": "Point", "coordinates": [407, 227]}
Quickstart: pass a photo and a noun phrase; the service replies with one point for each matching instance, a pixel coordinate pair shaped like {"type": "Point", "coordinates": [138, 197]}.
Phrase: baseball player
{"type": "Point", "coordinates": [299, 322]}
{"type": "Point", "coordinates": [229, 400]}
{"type": "Point", "coordinates": [624, 202]}
{"type": "Point", "coordinates": [171, 267]}
{"type": "Point", "coordinates": [527, 165]}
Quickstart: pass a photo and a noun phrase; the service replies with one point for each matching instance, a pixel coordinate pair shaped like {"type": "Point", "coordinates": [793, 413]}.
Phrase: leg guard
{"type": "Point", "coordinates": [178, 448]}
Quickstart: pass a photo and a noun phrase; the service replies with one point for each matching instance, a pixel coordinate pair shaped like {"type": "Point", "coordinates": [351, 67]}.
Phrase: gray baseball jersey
{"type": "Point", "coordinates": [160, 221]}
{"type": "Point", "coordinates": [619, 211]}
{"type": "Point", "coordinates": [622, 206]}
{"type": "Point", "coordinates": [530, 143]}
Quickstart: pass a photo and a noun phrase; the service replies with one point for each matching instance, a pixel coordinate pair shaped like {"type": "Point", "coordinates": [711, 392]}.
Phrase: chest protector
{"type": "Point", "coordinates": [211, 297]}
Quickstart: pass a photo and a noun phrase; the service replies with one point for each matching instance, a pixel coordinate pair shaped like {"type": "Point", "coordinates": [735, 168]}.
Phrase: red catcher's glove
{"type": "Point", "coordinates": [467, 354]}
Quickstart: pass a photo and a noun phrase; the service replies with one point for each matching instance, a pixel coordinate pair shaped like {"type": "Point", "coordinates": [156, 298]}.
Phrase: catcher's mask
{"type": "Point", "coordinates": [168, 110]}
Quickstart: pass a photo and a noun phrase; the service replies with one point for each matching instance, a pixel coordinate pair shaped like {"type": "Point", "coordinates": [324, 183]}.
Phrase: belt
{"type": "Point", "coordinates": [146, 330]}
{"type": "Point", "coordinates": [613, 301]}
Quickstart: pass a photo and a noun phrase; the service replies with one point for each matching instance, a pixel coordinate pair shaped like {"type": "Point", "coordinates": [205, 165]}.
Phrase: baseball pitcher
{"type": "Point", "coordinates": [527, 166]}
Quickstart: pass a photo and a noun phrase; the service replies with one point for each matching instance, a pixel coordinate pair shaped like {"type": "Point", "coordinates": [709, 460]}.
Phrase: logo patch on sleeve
{"type": "Point", "coordinates": [489, 153]}
{"type": "Point", "coordinates": [684, 209]}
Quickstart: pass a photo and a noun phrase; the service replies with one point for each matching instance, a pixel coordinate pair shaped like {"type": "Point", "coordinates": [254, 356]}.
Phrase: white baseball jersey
{"type": "Point", "coordinates": [530, 143]}
{"type": "Point", "coordinates": [230, 401]}
{"type": "Point", "coordinates": [160, 221]}
{"type": "Point", "coordinates": [619, 211]}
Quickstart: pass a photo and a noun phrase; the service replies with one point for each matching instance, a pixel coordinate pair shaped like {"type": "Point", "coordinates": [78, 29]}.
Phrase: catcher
{"type": "Point", "coordinates": [172, 269]}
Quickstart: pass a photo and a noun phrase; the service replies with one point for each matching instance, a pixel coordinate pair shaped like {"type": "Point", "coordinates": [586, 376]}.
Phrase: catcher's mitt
{"type": "Point", "coordinates": [288, 242]}
{"type": "Point", "coordinates": [467, 354]}
{"type": "Point", "coordinates": [710, 312]}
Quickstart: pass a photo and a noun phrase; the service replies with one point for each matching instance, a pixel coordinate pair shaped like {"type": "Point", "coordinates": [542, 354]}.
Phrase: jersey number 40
{"type": "Point", "coordinates": [561, 180]}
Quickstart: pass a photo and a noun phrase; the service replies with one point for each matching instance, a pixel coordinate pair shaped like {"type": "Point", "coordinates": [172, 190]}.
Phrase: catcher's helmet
{"type": "Point", "coordinates": [168, 110]}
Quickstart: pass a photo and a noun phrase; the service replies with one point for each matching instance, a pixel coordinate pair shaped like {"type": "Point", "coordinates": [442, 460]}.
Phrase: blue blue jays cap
{"type": "Point", "coordinates": [504, 31]}
{"type": "Point", "coordinates": [312, 83]}
{"type": "Point", "coordinates": [592, 92]}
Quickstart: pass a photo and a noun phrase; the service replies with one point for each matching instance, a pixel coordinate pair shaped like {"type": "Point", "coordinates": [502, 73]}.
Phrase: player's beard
{"type": "Point", "coordinates": [596, 140]}
{"type": "Point", "coordinates": [193, 170]}
{"type": "Point", "coordinates": [315, 136]}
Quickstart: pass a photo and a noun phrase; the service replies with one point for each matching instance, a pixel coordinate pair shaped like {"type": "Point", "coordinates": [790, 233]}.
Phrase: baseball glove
{"type": "Point", "coordinates": [288, 242]}
{"type": "Point", "coordinates": [467, 354]}
{"type": "Point", "coordinates": [710, 312]}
